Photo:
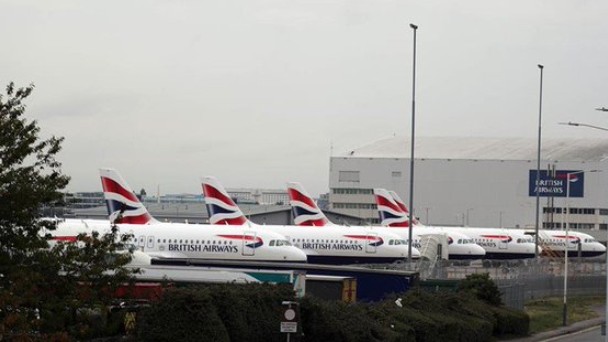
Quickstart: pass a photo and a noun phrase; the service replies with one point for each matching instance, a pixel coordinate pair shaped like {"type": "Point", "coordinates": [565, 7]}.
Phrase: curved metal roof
{"type": "Point", "coordinates": [484, 148]}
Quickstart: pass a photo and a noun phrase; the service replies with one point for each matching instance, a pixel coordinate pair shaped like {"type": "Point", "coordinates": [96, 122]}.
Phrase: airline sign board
{"type": "Point", "coordinates": [555, 184]}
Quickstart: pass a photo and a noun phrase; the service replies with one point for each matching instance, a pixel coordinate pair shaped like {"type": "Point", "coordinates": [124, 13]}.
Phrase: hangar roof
{"type": "Point", "coordinates": [484, 148]}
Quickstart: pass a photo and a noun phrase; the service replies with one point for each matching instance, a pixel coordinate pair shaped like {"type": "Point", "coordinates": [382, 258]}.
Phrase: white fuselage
{"type": "Point", "coordinates": [176, 240]}
{"type": "Point", "coordinates": [459, 246]}
{"type": "Point", "coordinates": [499, 243]}
{"type": "Point", "coordinates": [556, 241]}
{"type": "Point", "coordinates": [343, 245]}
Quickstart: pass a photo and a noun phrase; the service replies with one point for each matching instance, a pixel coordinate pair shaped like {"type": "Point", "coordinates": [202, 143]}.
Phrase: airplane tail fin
{"type": "Point", "coordinates": [391, 214]}
{"type": "Point", "coordinates": [305, 210]}
{"type": "Point", "coordinates": [403, 207]}
{"type": "Point", "coordinates": [221, 208]}
{"type": "Point", "coordinates": [123, 206]}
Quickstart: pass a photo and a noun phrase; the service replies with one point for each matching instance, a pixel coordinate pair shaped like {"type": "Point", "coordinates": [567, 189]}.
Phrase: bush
{"type": "Point", "coordinates": [482, 287]}
{"type": "Point", "coordinates": [252, 312]}
{"type": "Point", "coordinates": [217, 312]}
{"type": "Point", "coordinates": [337, 321]}
{"type": "Point", "coordinates": [184, 315]}
{"type": "Point", "coordinates": [511, 322]}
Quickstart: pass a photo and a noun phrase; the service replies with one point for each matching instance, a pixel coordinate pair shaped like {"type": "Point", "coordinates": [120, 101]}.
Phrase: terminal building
{"type": "Point", "coordinates": [478, 182]}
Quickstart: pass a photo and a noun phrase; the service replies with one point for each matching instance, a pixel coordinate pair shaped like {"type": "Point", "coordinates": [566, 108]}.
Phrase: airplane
{"type": "Point", "coordinates": [181, 240]}
{"type": "Point", "coordinates": [306, 213]}
{"type": "Point", "coordinates": [555, 241]}
{"type": "Point", "coordinates": [499, 243]}
{"type": "Point", "coordinates": [335, 245]}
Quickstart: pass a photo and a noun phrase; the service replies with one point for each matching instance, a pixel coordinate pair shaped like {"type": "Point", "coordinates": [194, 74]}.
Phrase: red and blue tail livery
{"type": "Point", "coordinates": [391, 213]}
{"type": "Point", "coordinates": [221, 208]}
{"type": "Point", "coordinates": [123, 206]}
{"type": "Point", "coordinates": [403, 207]}
{"type": "Point", "coordinates": [305, 210]}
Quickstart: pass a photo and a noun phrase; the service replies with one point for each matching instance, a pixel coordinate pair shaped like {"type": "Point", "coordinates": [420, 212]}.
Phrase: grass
{"type": "Point", "coordinates": [547, 313]}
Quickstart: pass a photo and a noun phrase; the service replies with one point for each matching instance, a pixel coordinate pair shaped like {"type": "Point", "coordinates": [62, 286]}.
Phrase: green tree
{"type": "Point", "coordinates": [45, 291]}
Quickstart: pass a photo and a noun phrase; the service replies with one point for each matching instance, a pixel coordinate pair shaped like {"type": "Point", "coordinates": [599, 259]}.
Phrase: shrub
{"type": "Point", "coordinates": [511, 322]}
{"type": "Point", "coordinates": [482, 287]}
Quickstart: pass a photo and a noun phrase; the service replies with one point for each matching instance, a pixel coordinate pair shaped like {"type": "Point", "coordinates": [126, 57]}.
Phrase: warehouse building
{"type": "Point", "coordinates": [478, 182]}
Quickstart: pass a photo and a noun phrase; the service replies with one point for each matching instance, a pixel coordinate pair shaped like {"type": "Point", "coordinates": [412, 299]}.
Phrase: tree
{"type": "Point", "coordinates": [44, 290]}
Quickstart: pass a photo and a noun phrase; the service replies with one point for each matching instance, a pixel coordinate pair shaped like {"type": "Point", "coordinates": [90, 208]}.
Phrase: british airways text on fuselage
{"type": "Point", "coordinates": [200, 248]}
{"type": "Point", "coordinates": [332, 246]}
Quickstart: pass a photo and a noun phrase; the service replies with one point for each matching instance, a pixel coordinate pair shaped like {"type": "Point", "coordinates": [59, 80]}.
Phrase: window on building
{"type": "Point", "coordinates": [396, 174]}
{"type": "Point", "coordinates": [348, 176]}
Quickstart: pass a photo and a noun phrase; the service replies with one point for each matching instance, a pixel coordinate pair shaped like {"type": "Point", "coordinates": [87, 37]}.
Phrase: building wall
{"type": "Point", "coordinates": [488, 193]}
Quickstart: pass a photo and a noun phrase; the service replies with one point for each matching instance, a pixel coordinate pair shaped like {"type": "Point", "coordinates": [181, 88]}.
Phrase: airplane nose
{"type": "Point", "coordinates": [479, 250]}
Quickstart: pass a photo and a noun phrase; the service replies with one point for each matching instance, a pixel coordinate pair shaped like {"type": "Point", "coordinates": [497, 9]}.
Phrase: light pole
{"type": "Point", "coordinates": [567, 246]}
{"type": "Point", "coordinates": [577, 124]}
{"type": "Point", "coordinates": [540, 111]}
{"type": "Point", "coordinates": [411, 218]}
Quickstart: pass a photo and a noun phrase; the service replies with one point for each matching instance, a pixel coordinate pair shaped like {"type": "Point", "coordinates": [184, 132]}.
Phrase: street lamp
{"type": "Point", "coordinates": [567, 245]}
{"type": "Point", "coordinates": [577, 124]}
{"type": "Point", "coordinates": [411, 218]}
{"type": "Point", "coordinates": [606, 305]}
{"type": "Point", "coordinates": [540, 110]}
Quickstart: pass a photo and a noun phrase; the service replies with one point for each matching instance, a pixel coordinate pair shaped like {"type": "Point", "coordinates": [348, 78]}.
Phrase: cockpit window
{"type": "Point", "coordinates": [278, 243]}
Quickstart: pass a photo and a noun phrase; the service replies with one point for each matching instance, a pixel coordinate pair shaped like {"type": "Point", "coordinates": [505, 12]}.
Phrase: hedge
{"type": "Point", "coordinates": [252, 312]}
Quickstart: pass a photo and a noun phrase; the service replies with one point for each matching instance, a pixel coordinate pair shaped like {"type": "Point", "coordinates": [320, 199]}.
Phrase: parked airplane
{"type": "Point", "coordinates": [180, 240]}
{"type": "Point", "coordinates": [555, 241]}
{"type": "Point", "coordinates": [306, 212]}
{"type": "Point", "coordinates": [497, 243]}
{"type": "Point", "coordinates": [336, 245]}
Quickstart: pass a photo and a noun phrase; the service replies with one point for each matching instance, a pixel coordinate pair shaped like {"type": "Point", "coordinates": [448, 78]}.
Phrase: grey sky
{"type": "Point", "coordinates": [255, 92]}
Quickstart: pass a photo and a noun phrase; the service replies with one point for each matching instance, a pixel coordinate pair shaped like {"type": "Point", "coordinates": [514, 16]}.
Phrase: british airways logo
{"type": "Point", "coordinates": [210, 248]}
{"type": "Point", "coordinates": [123, 206]}
{"type": "Point", "coordinates": [356, 243]}
{"type": "Point", "coordinates": [561, 183]}
{"type": "Point", "coordinates": [222, 209]}
{"type": "Point", "coordinates": [250, 240]}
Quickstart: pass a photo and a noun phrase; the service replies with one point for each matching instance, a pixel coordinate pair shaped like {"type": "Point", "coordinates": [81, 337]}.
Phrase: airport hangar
{"type": "Point", "coordinates": [478, 182]}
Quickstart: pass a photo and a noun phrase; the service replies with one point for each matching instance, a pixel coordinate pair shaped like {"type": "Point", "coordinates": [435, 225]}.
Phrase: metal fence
{"type": "Point", "coordinates": [523, 280]}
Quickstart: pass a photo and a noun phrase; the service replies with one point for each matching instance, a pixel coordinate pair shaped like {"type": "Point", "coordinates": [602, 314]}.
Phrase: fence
{"type": "Point", "coordinates": [523, 280]}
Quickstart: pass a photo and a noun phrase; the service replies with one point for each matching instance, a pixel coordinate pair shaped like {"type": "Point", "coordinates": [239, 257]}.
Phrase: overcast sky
{"type": "Point", "coordinates": [259, 92]}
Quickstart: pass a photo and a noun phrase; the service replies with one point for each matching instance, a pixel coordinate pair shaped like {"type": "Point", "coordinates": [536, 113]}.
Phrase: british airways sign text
{"type": "Point", "coordinates": [556, 184]}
